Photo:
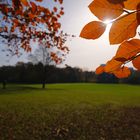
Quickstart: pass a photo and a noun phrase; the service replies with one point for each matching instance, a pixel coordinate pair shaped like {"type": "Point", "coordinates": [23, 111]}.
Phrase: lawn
{"type": "Point", "coordinates": [70, 112]}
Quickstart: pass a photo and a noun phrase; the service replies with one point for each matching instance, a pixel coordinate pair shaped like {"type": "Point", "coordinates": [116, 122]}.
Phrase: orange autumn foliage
{"type": "Point", "coordinates": [123, 29]}
{"type": "Point", "coordinates": [103, 9]}
{"type": "Point", "coordinates": [125, 16]}
{"type": "Point", "coordinates": [26, 21]}
{"type": "Point", "coordinates": [131, 4]}
{"type": "Point", "coordinates": [112, 66]}
{"type": "Point", "coordinates": [123, 72]}
{"type": "Point", "coordinates": [136, 63]}
{"type": "Point", "coordinates": [99, 70]}
{"type": "Point", "coordinates": [128, 50]}
{"type": "Point", "coordinates": [25, 2]}
{"type": "Point", "coordinates": [93, 30]}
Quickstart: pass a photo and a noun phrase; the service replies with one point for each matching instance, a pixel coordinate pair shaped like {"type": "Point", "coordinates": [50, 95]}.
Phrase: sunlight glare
{"type": "Point", "coordinates": [107, 21]}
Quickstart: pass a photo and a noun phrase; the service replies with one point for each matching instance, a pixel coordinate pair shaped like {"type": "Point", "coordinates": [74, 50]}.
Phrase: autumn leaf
{"type": "Point", "coordinates": [123, 29]}
{"type": "Point", "coordinates": [112, 65]}
{"type": "Point", "coordinates": [61, 12]}
{"type": "Point", "coordinates": [93, 30]}
{"type": "Point", "coordinates": [121, 59]}
{"type": "Point", "coordinates": [138, 13]}
{"type": "Point", "coordinates": [123, 72]}
{"type": "Point", "coordinates": [60, 1]}
{"type": "Point", "coordinates": [99, 70]}
{"type": "Point", "coordinates": [128, 49]}
{"type": "Point", "coordinates": [4, 9]}
{"type": "Point", "coordinates": [103, 9]}
{"type": "Point", "coordinates": [136, 62]}
{"type": "Point", "coordinates": [31, 16]}
{"type": "Point", "coordinates": [16, 21]}
{"type": "Point", "coordinates": [55, 9]}
{"type": "Point", "coordinates": [116, 1]}
{"type": "Point", "coordinates": [34, 7]}
{"type": "Point", "coordinates": [1, 29]}
{"type": "Point", "coordinates": [24, 2]}
{"type": "Point", "coordinates": [39, 0]}
{"type": "Point", "coordinates": [131, 4]}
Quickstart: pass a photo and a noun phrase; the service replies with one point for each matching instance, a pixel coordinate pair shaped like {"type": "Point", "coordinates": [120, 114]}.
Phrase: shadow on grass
{"type": "Point", "coordinates": [20, 89]}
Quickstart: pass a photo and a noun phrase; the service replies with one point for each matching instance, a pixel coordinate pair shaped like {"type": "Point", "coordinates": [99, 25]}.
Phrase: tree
{"type": "Point", "coordinates": [125, 19]}
{"type": "Point", "coordinates": [41, 55]}
{"type": "Point", "coordinates": [48, 56]}
{"type": "Point", "coordinates": [26, 21]}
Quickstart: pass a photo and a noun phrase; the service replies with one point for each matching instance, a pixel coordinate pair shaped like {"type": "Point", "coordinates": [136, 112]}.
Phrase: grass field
{"type": "Point", "coordinates": [70, 112]}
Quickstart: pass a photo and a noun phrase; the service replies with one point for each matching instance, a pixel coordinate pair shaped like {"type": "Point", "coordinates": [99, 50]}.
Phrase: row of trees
{"type": "Point", "coordinates": [29, 73]}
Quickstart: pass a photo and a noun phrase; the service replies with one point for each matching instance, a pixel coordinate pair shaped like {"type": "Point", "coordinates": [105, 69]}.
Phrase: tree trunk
{"type": "Point", "coordinates": [4, 84]}
{"type": "Point", "coordinates": [43, 85]}
{"type": "Point", "coordinates": [44, 77]}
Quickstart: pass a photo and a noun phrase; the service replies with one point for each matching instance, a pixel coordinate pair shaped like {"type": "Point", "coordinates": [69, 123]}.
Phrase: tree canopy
{"type": "Point", "coordinates": [26, 21]}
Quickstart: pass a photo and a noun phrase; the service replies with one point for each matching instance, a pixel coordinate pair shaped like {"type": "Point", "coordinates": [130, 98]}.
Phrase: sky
{"type": "Point", "coordinates": [86, 54]}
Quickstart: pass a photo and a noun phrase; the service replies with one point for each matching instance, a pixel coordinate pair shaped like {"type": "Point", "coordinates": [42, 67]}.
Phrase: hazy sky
{"type": "Point", "coordinates": [84, 53]}
{"type": "Point", "coordinates": [87, 54]}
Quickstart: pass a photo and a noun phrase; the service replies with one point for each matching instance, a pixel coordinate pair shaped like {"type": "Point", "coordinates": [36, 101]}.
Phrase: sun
{"type": "Point", "coordinates": [107, 21]}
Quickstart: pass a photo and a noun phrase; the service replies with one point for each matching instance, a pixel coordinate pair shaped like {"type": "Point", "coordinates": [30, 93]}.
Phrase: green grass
{"type": "Point", "coordinates": [70, 112]}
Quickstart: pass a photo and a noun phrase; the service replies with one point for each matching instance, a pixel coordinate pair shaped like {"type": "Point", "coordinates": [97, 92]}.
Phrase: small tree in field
{"type": "Point", "coordinates": [23, 22]}
{"type": "Point", "coordinates": [48, 56]}
{"type": "Point", "coordinates": [125, 19]}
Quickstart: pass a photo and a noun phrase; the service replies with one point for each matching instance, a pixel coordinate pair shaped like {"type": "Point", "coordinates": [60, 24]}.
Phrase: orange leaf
{"type": "Point", "coordinates": [99, 70]}
{"type": "Point", "coordinates": [112, 65]}
{"type": "Point", "coordinates": [131, 4]}
{"type": "Point", "coordinates": [60, 1]}
{"type": "Point", "coordinates": [138, 13]}
{"type": "Point", "coordinates": [31, 15]}
{"type": "Point", "coordinates": [55, 9]}
{"type": "Point", "coordinates": [136, 63]}
{"type": "Point", "coordinates": [61, 12]}
{"type": "Point", "coordinates": [34, 7]}
{"type": "Point", "coordinates": [121, 59]}
{"type": "Point", "coordinates": [24, 2]}
{"type": "Point", "coordinates": [105, 10]}
{"type": "Point", "coordinates": [39, 0]}
{"type": "Point", "coordinates": [1, 29]}
{"type": "Point", "coordinates": [123, 29]}
{"type": "Point", "coordinates": [123, 72]}
{"type": "Point", "coordinates": [128, 49]}
{"type": "Point", "coordinates": [93, 30]}
{"type": "Point", "coordinates": [116, 1]}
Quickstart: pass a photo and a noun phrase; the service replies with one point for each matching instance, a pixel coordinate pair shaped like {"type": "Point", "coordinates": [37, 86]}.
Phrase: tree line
{"type": "Point", "coordinates": [25, 73]}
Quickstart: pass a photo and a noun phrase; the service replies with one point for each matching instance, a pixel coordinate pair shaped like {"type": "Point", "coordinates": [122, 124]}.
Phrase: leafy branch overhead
{"type": "Point", "coordinates": [125, 19]}
{"type": "Point", "coordinates": [27, 21]}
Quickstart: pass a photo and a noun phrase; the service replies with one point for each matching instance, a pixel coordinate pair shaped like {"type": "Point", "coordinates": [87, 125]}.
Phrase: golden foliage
{"type": "Point", "coordinates": [103, 9]}
{"type": "Point", "coordinates": [99, 70]}
{"type": "Point", "coordinates": [24, 21]}
{"type": "Point", "coordinates": [123, 29]}
{"type": "Point", "coordinates": [136, 62]}
{"type": "Point", "coordinates": [93, 30]}
{"type": "Point", "coordinates": [125, 16]}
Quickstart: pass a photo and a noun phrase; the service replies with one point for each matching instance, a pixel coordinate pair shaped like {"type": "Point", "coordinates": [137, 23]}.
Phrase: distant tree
{"type": "Point", "coordinates": [48, 56]}
{"type": "Point", "coordinates": [41, 55]}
